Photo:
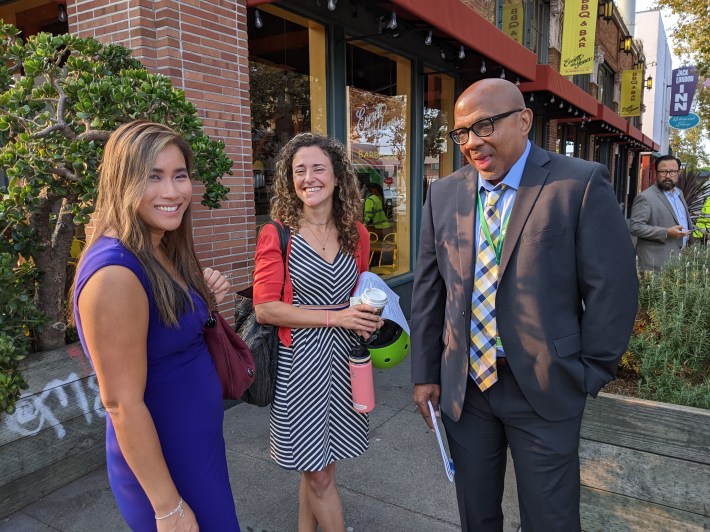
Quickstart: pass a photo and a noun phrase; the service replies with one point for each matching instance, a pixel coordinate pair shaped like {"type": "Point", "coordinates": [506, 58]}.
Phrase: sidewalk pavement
{"type": "Point", "coordinates": [398, 485]}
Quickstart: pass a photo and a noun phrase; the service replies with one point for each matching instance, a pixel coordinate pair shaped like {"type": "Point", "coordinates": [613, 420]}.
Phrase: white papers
{"type": "Point", "coordinates": [392, 310]}
{"type": "Point", "coordinates": [448, 462]}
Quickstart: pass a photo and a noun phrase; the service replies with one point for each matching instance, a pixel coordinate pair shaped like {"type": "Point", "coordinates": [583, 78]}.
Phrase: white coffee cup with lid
{"type": "Point", "coordinates": [375, 298]}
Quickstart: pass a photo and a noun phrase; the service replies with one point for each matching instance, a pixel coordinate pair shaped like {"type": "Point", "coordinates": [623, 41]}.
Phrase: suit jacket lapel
{"type": "Point", "coordinates": [465, 225]}
{"type": "Point", "coordinates": [663, 199]}
{"type": "Point", "coordinates": [531, 183]}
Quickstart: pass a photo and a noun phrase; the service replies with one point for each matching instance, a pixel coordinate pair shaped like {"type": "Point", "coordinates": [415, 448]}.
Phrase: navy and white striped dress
{"type": "Point", "coordinates": [313, 422]}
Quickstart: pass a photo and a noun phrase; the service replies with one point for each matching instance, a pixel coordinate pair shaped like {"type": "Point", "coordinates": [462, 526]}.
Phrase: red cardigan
{"type": "Point", "coordinates": [269, 269]}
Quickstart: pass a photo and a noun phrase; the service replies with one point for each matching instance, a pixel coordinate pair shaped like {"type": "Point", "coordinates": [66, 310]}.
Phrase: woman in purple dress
{"type": "Point", "coordinates": [140, 309]}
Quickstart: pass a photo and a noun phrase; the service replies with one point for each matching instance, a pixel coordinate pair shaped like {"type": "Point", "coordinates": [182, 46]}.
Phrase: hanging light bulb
{"type": "Point", "coordinates": [552, 100]}
{"type": "Point", "coordinates": [442, 53]}
{"type": "Point", "coordinates": [462, 52]}
{"type": "Point", "coordinates": [584, 116]}
{"type": "Point", "coordinates": [62, 15]}
{"type": "Point", "coordinates": [570, 109]}
{"type": "Point", "coordinates": [257, 19]}
{"type": "Point", "coordinates": [427, 40]}
{"type": "Point", "coordinates": [502, 73]}
{"type": "Point", "coordinates": [517, 81]}
{"type": "Point", "coordinates": [483, 66]}
{"type": "Point", "coordinates": [393, 21]}
{"type": "Point", "coordinates": [576, 112]}
{"type": "Point", "coordinates": [331, 4]}
{"type": "Point", "coordinates": [532, 96]}
{"type": "Point", "coordinates": [562, 104]}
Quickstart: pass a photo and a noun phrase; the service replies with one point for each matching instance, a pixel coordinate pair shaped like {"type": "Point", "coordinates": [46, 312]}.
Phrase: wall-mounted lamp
{"type": "Point", "coordinates": [606, 10]}
{"type": "Point", "coordinates": [62, 14]}
{"type": "Point", "coordinates": [626, 43]}
{"type": "Point", "coordinates": [257, 19]}
{"type": "Point", "coordinates": [428, 38]}
{"type": "Point", "coordinates": [462, 53]}
{"type": "Point", "coordinates": [649, 82]}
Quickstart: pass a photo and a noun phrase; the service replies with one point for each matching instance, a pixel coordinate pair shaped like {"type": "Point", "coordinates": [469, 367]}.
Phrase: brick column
{"type": "Point", "coordinates": [201, 45]}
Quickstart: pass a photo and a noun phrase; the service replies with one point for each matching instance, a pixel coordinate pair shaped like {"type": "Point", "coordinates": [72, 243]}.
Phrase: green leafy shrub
{"type": "Point", "coordinates": [18, 315]}
{"type": "Point", "coordinates": [670, 347]}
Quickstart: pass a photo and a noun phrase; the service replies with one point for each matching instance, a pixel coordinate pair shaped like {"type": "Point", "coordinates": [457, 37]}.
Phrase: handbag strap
{"type": "Point", "coordinates": [284, 237]}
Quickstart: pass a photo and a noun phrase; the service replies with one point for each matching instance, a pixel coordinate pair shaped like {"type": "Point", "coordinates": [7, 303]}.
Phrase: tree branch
{"type": "Point", "coordinates": [94, 134]}
{"type": "Point", "coordinates": [64, 172]}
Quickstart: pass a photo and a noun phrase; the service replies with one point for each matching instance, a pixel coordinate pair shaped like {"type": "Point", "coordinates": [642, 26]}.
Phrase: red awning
{"type": "Point", "coordinates": [462, 23]}
{"type": "Point", "coordinates": [548, 79]}
{"type": "Point", "coordinates": [610, 117]}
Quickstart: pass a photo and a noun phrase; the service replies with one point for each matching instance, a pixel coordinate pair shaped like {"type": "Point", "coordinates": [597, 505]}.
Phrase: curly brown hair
{"type": "Point", "coordinates": [347, 202]}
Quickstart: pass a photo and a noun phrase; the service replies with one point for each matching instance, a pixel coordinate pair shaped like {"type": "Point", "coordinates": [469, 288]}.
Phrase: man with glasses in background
{"type": "Point", "coordinates": [659, 217]}
{"type": "Point", "coordinates": [524, 298]}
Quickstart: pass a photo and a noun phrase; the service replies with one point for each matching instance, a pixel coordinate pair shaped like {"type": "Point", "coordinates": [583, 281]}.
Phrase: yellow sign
{"type": "Point", "coordinates": [580, 27]}
{"type": "Point", "coordinates": [631, 87]}
{"type": "Point", "coordinates": [514, 20]}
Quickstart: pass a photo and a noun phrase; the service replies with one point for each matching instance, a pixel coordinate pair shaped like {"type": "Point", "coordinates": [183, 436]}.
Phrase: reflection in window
{"type": "Point", "coordinates": [378, 139]}
{"type": "Point", "coordinates": [283, 104]}
{"type": "Point", "coordinates": [438, 120]}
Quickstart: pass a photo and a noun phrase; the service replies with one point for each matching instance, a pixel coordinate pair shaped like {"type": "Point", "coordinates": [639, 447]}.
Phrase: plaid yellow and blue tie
{"type": "Point", "coordinates": [483, 310]}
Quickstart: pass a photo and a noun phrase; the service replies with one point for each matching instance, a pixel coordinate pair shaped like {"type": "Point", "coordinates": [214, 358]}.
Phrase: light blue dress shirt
{"type": "Point", "coordinates": [674, 199]}
{"type": "Point", "coordinates": [507, 198]}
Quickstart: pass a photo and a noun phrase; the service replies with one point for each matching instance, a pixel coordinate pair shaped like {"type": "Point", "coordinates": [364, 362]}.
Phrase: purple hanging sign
{"type": "Point", "coordinates": [684, 82]}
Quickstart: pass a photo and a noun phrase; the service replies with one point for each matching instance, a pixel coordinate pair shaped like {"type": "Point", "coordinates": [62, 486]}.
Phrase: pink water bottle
{"type": "Point", "coordinates": [363, 387]}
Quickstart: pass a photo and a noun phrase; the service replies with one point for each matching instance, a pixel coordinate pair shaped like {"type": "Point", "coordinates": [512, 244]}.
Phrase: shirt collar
{"type": "Point", "coordinates": [514, 175]}
{"type": "Point", "coordinates": [672, 193]}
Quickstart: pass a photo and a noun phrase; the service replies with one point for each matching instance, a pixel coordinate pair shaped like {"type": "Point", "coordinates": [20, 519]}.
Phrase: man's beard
{"type": "Point", "coordinates": [666, 184]}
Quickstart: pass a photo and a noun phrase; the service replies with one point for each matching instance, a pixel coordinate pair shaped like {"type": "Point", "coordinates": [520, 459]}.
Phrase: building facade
{"type": "Point", "coordinates": [382, 76]}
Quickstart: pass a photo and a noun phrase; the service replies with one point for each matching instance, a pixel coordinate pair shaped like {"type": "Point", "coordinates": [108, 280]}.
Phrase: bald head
{"type": "Point", "coordinates": [485, 92]}
{"type": "Point", "coordinates": [495, 123]}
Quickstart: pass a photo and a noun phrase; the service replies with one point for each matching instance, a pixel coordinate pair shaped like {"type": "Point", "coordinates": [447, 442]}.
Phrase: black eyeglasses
{"type": "Point", "coordinates": [671, 173]}
{"type": "Point", "coordinates": [482, 128]}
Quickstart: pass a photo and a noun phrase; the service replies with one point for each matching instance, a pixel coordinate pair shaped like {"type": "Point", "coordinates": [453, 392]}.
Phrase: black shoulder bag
{"type": "Point", "coordinates": [263, 340]}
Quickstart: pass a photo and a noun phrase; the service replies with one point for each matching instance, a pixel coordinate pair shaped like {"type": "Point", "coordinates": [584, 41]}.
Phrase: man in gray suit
{"type": "Point", "coordinates": [554, 281]}
{"type": "Point", "coordinates": [660, 218]}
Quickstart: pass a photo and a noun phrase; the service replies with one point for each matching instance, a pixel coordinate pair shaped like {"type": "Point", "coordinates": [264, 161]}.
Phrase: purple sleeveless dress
{"type": "Point", "coordinates": [184, 397]}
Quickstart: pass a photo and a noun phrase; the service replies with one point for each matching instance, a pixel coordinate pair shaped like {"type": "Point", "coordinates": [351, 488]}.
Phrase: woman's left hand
{"type": "Point", "coordinates": [217, 282]}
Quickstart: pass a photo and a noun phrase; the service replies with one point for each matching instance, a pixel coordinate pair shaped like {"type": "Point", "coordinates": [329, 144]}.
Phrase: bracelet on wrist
{"type": "Point", "coordinates": [178, 510]}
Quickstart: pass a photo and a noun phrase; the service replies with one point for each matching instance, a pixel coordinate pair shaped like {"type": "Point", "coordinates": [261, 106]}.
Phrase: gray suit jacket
{"type": "Point", "coordinates": [567, 293]}
{"type": "Point", "coordinates": [651, 216]}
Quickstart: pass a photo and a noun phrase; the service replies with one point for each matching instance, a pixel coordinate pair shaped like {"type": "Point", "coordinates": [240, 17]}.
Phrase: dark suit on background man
{"type": "Point", "coordinates": [654, 220]}
{"type": "Point", "coordinates": [565, 305]}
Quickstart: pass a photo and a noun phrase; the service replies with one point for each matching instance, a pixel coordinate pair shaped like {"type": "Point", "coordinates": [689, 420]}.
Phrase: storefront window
{"type": "Point", "coordinates": [287, 90]}
{"type": "Point", "coordinates": [438, 120]}
{"type": "Point", "coordinates": [605, 88]}
{"type": "Point", "coordinates": [378, 87]}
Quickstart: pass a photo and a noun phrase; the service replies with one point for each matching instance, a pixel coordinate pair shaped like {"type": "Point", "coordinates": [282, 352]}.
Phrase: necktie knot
{"type": "Point", "coordinates": [493, 196]}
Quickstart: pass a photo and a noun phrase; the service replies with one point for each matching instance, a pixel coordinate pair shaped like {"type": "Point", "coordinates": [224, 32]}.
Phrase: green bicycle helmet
{"type": "Point", "coordinates": [389, 346]}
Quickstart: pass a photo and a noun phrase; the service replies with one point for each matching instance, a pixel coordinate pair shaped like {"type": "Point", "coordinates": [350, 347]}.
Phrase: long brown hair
{"type": "Point", "coordinates": [347, 202]}
{"type": "Point", "coordinates": [127, 163]}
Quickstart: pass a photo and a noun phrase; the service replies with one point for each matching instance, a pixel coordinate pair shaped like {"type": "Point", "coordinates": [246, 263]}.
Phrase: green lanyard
{"type": "Point", "coordinates": [487, 232]}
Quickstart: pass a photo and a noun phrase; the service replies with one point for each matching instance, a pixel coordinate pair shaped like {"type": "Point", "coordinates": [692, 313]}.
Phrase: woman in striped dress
{"type": "Point", "coordinates": [313, 423]}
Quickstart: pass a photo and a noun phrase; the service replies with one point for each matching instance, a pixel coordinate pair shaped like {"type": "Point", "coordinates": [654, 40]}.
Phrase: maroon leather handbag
{"type": "Point", "coordinates": [232, 358]}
